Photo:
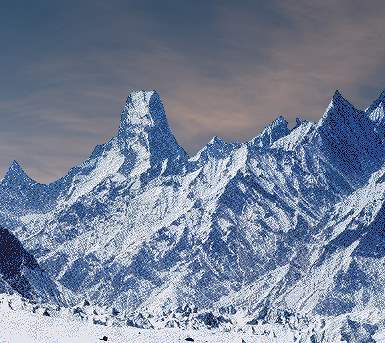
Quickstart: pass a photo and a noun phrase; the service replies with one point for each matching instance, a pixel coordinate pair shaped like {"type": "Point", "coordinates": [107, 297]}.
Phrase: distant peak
{"type": "Point", "coordinates": [279, 121]}
{"type": "Point", "coordinates": [216, 148]}
{"type": "Point", "coordinates": [139, 98]}
{"type": "Point", "coordinates": [15, 165]}
{"type": "Point", "coordinates": [142, 109]}
{"type": "Point", "coordinates": [338, 99]}
{"type": "Point", "coordinates": [337, 94]}
{"type": "Point", "coordinates": [338, 108]}
{"type": "Point", "coordinates": [15, 168]}
{"type": "Point", "coordinates": [278, 127]}
{"type": "Point", "coordinates": [15, 172]}
{"type": "Point", "coordinates": [217, 141]}
{"type": "Point", "coordinates": [276, 130]}
{"type": "Point", "coordinates": [144, 135]}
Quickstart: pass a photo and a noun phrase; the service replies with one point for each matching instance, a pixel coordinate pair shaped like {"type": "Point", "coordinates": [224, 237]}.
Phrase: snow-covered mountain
{"type": "Point", "coordinates": [20, 273]}
{"type": "Point", "coordinates": [291, 220]}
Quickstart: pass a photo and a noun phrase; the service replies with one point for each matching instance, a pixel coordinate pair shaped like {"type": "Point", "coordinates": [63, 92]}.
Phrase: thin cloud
{"type": "Point", "coordinates": [228, 71]}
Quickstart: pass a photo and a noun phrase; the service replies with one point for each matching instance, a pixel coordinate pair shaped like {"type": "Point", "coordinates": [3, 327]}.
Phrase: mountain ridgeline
{"type": "Point", "coordinates": [292, 219]}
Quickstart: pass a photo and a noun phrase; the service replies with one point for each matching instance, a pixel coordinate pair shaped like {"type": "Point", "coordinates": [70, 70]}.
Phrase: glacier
{"type": "Point", "coordinates": [291, 221]}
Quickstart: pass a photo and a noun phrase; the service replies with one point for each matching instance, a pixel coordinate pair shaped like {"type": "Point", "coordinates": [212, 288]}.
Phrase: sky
{"type": "Point", "coordinates": [224, 68]}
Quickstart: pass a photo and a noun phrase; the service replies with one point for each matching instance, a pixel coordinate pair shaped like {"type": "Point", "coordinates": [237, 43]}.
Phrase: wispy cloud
{"type": "Point", "coordinates": [223, 68]}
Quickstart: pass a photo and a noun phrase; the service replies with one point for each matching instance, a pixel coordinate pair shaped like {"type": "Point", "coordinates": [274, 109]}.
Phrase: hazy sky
{"type": "Point", "coordinates": [223, 68]}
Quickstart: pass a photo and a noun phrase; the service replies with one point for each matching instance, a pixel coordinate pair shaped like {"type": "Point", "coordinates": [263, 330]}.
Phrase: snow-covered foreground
{"type": "Point", "coordinates": [22, 321]}
{"type": "Point", "coordinates": [23, 327]}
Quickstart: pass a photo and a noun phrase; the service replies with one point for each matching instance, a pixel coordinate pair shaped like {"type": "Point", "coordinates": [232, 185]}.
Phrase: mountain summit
{"type": "Point", "coordinates": [144, 135]}
{"type": "Point", "coordinates": [143, 110]}
{"type": "Point", "coordinates": [16, 174]}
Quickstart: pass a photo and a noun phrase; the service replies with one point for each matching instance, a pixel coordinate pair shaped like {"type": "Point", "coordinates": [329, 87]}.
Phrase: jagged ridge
{"type": "Point", "coordinates": [139, 224]}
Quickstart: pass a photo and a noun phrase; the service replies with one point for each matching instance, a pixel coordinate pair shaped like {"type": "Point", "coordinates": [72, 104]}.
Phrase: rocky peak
{"type": "Point", "coordinates": [350, 140]}
{"type": "Point", "coordinates": [276, 130]}
{"type": "Point", "coordinates": [145, 138]}
{"type": "Point", "coordinates": [339, 110]}
{"type": "Point", "coordinates": [16, 174]}
{"type": "Point", "coordinates": [143, 110]}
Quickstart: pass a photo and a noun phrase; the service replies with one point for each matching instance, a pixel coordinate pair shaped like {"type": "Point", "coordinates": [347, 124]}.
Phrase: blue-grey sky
{"type": "Point", "coordinates": [223, 68]}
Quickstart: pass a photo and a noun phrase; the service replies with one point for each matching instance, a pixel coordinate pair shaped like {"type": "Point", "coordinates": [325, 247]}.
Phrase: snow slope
{"type": "Point", "coordinates": [21, 322]}
{"type": "Point", "coordinates": [20, 273]}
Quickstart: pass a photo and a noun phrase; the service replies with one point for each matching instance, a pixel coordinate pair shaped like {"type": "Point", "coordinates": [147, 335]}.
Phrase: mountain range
{"type": "Point", "coordinates": [292, 220]}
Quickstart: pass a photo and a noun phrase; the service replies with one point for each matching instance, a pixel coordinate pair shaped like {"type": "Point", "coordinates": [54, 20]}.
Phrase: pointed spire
{"type": "Point", "coordinates": [15, 166]}
{"type": "Point", "coordinates": [276, 130]}
{"type": "Point", "coordinates": [350, 139]}
{"type": "Point", "coordinates": [15, 169]}
{"type": "Point", "coordinates": [337, 94]}
{"type": "Point", "coordinates": [143, 109]}
{"type": "Point", "coordinates": [339, 100]}
{"type": "Point", "coordinates": [338, 108]}
{"type": "Point", "coordinates": [279, 121]}
{"type": "Point", "coordinates": [15, 173]}
{"type": "Point", "coordinates": [145, 138]}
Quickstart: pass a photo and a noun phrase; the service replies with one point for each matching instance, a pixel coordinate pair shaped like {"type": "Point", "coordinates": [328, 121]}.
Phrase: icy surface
{"type": "Point", "coordinates": [21, 321]}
